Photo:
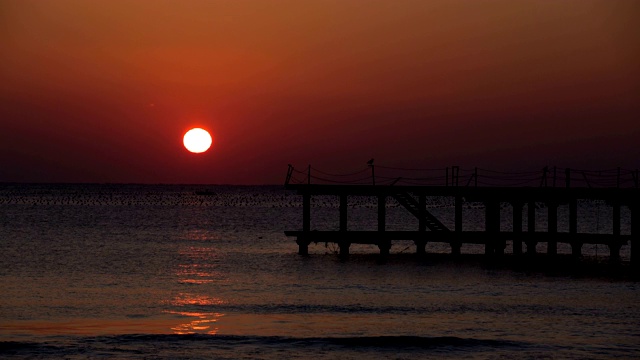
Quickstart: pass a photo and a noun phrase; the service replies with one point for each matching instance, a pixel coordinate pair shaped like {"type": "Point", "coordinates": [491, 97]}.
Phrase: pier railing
{"type": "Point", "coordinates": [475, 177]}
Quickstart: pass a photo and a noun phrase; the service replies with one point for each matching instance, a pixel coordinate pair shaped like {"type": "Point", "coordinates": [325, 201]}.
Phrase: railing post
{"type": "Point", "coordinates": [289, 173]}
{"type": "Point", "coordinates": [373, 174]}
{"type": "Point", "coordinates": [531, 227]}
{"type": "Point", "coordinates": [517, 226]}
{"type": "Point", "coordinates": [576, 246]}
{"type": "Point", "coordinates": [552, 228]}
{"type": "Point", "coordinates": [543, 181]}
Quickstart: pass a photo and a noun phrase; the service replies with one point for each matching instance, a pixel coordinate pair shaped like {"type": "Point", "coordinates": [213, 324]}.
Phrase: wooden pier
{"type": "Point", "coordinates": [430, 229]}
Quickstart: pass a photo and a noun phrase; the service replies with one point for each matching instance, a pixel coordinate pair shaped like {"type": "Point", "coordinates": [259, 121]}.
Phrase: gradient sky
{"type": "Point", "coordinates": [102, 91]}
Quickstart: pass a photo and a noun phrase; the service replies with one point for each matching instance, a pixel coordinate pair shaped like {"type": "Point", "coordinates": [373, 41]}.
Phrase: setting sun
{"type": "Point", "coordinates": [197, 140]}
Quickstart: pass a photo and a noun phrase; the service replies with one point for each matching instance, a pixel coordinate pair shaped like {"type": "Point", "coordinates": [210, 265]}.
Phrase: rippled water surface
{"type": "Point", "coordinates": [128, 271]}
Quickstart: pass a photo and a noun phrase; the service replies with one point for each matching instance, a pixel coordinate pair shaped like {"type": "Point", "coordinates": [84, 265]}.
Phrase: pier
{"type": "Point", "coordinates": [551, 186]}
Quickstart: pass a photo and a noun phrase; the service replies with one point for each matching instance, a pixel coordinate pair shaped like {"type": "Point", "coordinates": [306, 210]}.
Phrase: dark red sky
{"type": "Point", "coordinates": [102, 91]}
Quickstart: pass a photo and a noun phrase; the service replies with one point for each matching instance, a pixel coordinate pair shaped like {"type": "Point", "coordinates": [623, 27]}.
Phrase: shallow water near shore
{"type": "Point", "coordinates": [130, 271]}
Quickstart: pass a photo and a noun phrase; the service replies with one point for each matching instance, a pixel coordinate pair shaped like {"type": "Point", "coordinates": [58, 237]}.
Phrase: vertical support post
{"type": "Point", "coordinates": [554, 176]}
{"type": "Point", "coordinates": [343, 212]}
{"type": "Point", "coordinates": [309, 175]}
{"type": "Point", "coordinates": [635, 234]}
{"type": "Point", "coordinates": [552, 226]}
{"type": "Point", "coordinates": [303, 242]}
{"type": "Point", "coordinates": [457, 243]}
{"type": "Point", "coordinates": [383, 244]}
{"type": "Point", "coordinates": [618, 178]}
{"type": "Point", "coordinates": [543, 181]}
{"type": "Point", "coordinates": [421, 243]}
{"type": "Point", "coordinates": [289, 174]}
{"type": "Point", "coordinates": [615, 245]}
{"type": "Point", "coordinates": [343, 244]}
{"type": "Point", "coordinates": [517, 227]}
{"type": "Point", "coordinates": [306, 212]}
{"type": "Point", "coordinates": [576, 246]}
{"type": "Point", "coordinates": [422, 203]}
{"type": "Point", "coordinates": [567, 177]}
{"type": "Point", "coordinates": [492, 227]}
{"type": "Point", "coordinates": [531, 227]}
{"type": "Point", "coordinates": [373, 174]}
{"type": "Point", "coordinates": [382, 210]}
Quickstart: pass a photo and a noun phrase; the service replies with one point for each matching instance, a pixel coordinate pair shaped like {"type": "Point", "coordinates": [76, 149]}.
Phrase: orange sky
{"type": "Point", "coordinates": [102, 91]}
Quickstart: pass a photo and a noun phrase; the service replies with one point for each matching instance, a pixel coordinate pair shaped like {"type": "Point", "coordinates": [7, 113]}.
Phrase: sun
{"type": "Point", "coordinates": [197, 140]}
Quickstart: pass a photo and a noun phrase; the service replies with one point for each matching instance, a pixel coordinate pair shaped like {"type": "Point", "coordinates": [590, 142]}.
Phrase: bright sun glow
{"type": "Point", "coordinates": [197, 140]}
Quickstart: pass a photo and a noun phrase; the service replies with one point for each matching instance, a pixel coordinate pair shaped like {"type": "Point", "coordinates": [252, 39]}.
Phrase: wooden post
{"type": "Point", "coordinates": [383, 244]}
{"type": "Point", "coordinates": [373, 174]}
{"type": "Point", "coordinates": [576, 246]}
{"type": "Point", "coordinates": [492, 227]}
{"type": "Point", "coordinates": [343, 244]}
{"type": "Point", "coordinates": [531, 227]}
{"type": "Point", "coordinates": [552, 243]}
{"type": "Point", "coordinates": [343, 212]}
{"type": "Point", "coordinates": [344, 249]}
{"type": "Point", "coordinates": [421, 243]}
{"type": "Point", "coordinates": [306, 212]}
{"type": "Point", "coordinates": [457, 243]}
{"type": "Point", "coordinates": [382, 211]}
{"type": "Point", "coordinates": [303, 242]}
{"type": "Point", "coordinates": [517, 227]}
{"type": "Point", "coordinates": [635, 234]}
{"type": "Point", "coordinates": [615, 245]}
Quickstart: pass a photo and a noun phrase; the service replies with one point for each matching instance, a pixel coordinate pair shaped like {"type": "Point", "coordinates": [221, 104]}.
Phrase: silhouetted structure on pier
{"type": "Point", "coordinates": [617, 187]}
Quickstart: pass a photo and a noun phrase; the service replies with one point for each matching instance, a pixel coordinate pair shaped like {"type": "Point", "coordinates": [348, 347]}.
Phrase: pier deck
{"type": "Point", "coordinates": [430, 229]}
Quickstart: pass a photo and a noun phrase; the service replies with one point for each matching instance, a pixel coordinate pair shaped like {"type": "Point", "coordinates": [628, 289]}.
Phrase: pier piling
{"type": "Point", "coordinates": [552, 222]}
{"type": "Point", "coordinates": [517, 227]}
{"type": "Point", "coordinates": [531, 227]}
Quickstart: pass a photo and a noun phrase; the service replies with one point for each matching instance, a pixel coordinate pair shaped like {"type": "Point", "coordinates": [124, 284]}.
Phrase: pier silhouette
{"type": "Point", "coordinates": [551, 186]}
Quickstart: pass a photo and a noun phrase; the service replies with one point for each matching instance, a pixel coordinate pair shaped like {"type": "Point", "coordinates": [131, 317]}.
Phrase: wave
{"type": "Point", "coordinates": [511, 309]}
{"type": "Point", "coordinates": [8, 347]}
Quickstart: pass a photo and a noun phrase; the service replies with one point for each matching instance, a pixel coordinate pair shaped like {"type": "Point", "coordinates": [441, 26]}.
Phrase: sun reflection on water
{"type": "Point", "coordinates": [198, 266]}
{"type": "Point", "coordinates": [197, 323]}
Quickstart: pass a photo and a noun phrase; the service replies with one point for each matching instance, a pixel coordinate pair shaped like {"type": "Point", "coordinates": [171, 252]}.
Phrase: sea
{"type": "Point", "coordinates": [132, 271]}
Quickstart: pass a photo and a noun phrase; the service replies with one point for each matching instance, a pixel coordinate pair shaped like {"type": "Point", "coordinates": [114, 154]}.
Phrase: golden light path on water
{"type": "Point", "coordinates": [196, 270]}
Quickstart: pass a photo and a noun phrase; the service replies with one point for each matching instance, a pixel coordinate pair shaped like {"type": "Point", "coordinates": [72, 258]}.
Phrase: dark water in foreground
{"type": "Point", "coordinates": [129, 271]}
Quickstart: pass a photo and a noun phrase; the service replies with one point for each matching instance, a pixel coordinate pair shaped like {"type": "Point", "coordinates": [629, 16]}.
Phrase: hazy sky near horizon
{"type": "Point", "coordinates": [102, 91]}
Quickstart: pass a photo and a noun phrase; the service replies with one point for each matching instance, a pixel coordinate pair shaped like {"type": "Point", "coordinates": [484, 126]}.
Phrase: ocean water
{"type": "Point", "coordinates": [156, 271]}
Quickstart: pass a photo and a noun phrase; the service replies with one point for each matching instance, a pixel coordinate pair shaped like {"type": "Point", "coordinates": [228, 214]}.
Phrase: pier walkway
{"type": "Point", "coordinates": [550, 186]}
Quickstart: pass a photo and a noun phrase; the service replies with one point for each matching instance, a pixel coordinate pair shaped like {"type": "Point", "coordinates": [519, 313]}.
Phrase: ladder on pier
{"type": "Point", "coordinates": [411, 204]}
